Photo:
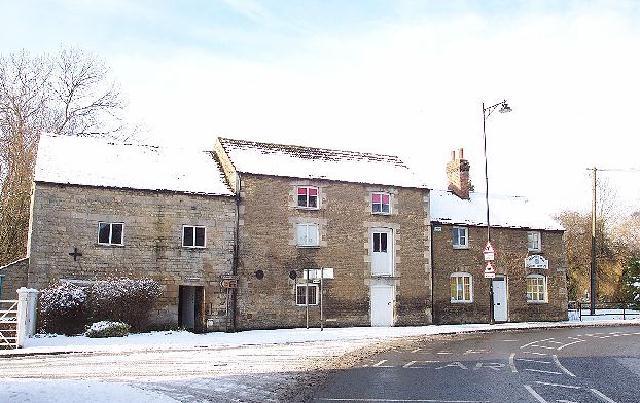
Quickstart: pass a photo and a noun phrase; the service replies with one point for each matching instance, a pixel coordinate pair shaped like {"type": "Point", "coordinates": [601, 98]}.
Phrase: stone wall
{"type": "Point", "coordinates": [66, 217]}
{"type": "Point", "coordinates": [268, 215]}
{"type": "Point", "coordinates": [14, 276]}
{"type": "Point", "coordinates": [511, 250]}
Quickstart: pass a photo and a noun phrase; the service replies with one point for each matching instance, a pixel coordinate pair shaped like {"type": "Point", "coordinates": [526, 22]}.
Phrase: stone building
{"type": "Point", "coordinates": [108, 210]}
{"type": "Point", "coordinates": [364, 217]}
{"type": "Point", "coordinates": [530, 257]}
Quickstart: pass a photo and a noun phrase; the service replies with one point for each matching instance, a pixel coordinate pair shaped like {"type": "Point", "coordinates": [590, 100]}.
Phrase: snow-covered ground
{"type": "Point", "coordinates": [259, 365]}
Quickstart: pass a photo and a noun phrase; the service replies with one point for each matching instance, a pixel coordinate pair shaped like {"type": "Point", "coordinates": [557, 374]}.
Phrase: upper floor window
{"type": "Point", "coordinates": [461, 287]}
{"type": "Point", "coordinates": [110, 233]}
{"type": "Point", "coordinates": [536, 288]}
{"type": "Point", "coordinates": [533, 241]}
{"type": "Point", "coordinates": [380, 203]}
{"type": "Point", "coordinates": [308, 197]}
{"type": "Point", "coordinates": [194, 236]}
{"type": "Point", "coordinates": [460, 237]}
{"type": "Point", "coordinates": [307, 235]}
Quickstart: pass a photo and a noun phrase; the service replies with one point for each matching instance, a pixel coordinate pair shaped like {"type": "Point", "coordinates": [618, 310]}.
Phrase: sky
{"type": "Point", "coordinates": [396, 77]}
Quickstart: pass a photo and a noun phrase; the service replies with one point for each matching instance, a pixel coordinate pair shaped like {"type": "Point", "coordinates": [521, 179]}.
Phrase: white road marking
{"type": "Point", "coordinates": [410, 363]}
{"type": "Point", "coordinates": [534, 342]}
{"type": "Point", "coordinates": [562, 368]}
{"type": "Point", "coordinates": [565, 401]}
{"type": "Point", "coordinates": [568, 344]}
{"type": "Point", "coordinates": [602, 396]}
{"type": "Point", "coordinates": [546, 347]}
{"type": "Point", "coordinates": [455, 364]}
{"type": "Point", "coordinates": [534, 394]}
{"type": "Point", "coordinates": [534, 353]}
{"type": "Point", "coordinates": [379, 364]}
{"type": "Point", "coordinates": [511, 363]}
{"type": "Point", "coordinates": [558, 385]}
{"type": "Point", "coordinates": [474, 352]}
{"type": "Point", "coordinates": [416, 350]}
{"type": "Point", "coordinates": [493, 365]}
{"type": "Point", "coordinates": [510, 340]}
{"type": "Point", "coordinates": [545, 372]}
{"type": "Point", "coordinates": [538, 361]}
{"type": "Point", "coordinates": [328, 399]}
{"type": "Point", "coordinates": [444, 352]}
{"type": "Point", "coordinates": [556, 342]}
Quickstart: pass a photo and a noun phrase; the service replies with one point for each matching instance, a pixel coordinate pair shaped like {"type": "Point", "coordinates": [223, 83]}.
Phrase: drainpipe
{"type": "Point", "coordinates": [236, 253]}
{"type": "Point", "coordinates": [433, 308]}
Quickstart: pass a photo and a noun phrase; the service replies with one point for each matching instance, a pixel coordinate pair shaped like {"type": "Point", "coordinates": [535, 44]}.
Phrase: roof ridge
{"type": "Point", "coordinates": [388, 157]}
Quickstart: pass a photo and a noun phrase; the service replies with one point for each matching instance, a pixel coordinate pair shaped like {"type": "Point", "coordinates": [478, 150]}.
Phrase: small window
{"type": "Point", "coordinates": [533, 241]}
{"type": "Point", "coordinates": [380, 203]}
{"type": "Point", "coordinates": [460, 238]}
{"type": "Point", "coordinates": [308, 197]}
{"type": "Point", "coordinates": [307, 235]}
{"type": "Point", "coordinates": [536, 288]}
{"type": "Point", "coordinates": [110, 233]}
{"type": "Point", "coordinates": [194, 236]}
{"type": "Point", "coordinates": [304, 290]}
{"type": "Point", "coordinates": [461, 287]}
{"type": "Point", "coordinates": [380, 241]}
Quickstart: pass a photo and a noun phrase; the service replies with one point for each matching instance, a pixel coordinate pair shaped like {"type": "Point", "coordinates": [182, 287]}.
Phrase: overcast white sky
{"type": "Point", "coordinates": [402, 77]}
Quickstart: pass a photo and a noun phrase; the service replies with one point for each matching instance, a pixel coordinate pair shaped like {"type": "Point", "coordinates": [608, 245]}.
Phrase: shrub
{"type": "Point", "coordinates": [108, 329]}
{"type": "Point", "coordinates": [124, 300]}
{"type": "Point", "coordinates": [63, 309]}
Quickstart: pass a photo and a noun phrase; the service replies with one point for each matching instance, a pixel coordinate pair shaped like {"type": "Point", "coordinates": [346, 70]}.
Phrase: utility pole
{"type": "Point", "coordinates": [593, 243]}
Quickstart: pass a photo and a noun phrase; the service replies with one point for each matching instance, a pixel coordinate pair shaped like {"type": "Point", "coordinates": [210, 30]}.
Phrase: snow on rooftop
{"type": "Point", "coordinates": [101, 162]}
{"type": "Point", "coordinates": [506, 211]}
{"type": "Point", "coordinates": [319, 163]}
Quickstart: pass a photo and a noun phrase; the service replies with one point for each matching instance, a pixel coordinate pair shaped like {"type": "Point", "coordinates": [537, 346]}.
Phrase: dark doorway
{"type": "Point", "coordinates": [191, 308]}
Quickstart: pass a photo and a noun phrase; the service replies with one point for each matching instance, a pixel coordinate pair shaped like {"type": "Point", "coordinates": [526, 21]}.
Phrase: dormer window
{"type": "Point", "coordinates": [308, 197]}
{"type": "Point", "coordinates": [380, 203]}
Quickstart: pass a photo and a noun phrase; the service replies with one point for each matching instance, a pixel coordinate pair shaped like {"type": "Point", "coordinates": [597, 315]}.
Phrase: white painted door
{"type": "Point", "coordinates": [382, 252]}
{"type": "Point", "coordinates": [382, 297]}
{"type": "Point", "coordinates": [500, 299]}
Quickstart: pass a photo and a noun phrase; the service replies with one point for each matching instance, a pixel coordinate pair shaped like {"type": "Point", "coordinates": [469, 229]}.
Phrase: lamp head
{"type": "Point", "coordinates": [505, 108]}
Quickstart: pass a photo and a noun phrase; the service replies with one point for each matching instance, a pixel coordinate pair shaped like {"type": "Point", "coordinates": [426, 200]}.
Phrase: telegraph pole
{"type": "Point", "coordinates": [593, 243]}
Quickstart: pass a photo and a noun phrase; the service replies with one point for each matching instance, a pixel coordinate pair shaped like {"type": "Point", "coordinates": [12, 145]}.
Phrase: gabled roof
{"type": "Point", "coordinates": [100, 162]}
{"type": "Point", "coordinates": [506, 211]}
{"type": "Point", "coordinates": [319, 163]}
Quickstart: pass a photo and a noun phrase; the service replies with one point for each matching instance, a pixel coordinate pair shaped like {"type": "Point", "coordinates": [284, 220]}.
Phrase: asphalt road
{"type": "Point", "coordinates": [589, 364]}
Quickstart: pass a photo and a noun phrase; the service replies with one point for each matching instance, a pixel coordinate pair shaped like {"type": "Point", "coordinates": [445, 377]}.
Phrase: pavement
{"type": "Point", "coordinates": [564, 365]}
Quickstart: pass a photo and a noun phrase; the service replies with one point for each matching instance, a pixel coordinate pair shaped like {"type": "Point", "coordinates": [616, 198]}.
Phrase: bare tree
{"type": "Point", "coordinates": [69, 93]}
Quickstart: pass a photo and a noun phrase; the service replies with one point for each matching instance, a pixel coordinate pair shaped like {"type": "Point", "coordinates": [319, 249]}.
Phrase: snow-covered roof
{"type": "Point", "coordinates": [506, 211]}
{"type": "Point", "coordinates": [100, 162]}
{"type": "Point", "coordinates": [319, 163]}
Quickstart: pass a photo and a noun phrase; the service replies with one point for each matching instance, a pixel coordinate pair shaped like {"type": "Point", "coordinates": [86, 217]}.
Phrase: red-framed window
{"type": "Point", "coordinates": [308, 197]}
{"type": "Point", "coordinates": [380, 203]}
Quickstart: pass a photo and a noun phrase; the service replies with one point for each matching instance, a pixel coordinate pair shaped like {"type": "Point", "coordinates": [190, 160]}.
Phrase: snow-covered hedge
{"type": "Point", "coordinates": [108, 329]}
{"type": "Point", "coordinates": [631, 282]}
{"type": "Point", "coordinates": [123, 300]}
{"type": "Point", "coordinates": [63, 309]}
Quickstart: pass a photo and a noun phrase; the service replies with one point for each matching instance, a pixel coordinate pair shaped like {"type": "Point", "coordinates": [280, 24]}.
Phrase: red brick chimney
{"type": "Point", "coordinates": [458, 174]}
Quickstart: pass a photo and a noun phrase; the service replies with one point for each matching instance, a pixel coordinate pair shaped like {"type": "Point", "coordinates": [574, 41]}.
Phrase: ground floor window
{"type": "Point", "coordinates": [536, 288]}
{"type": "Point", "coordinates": [461, 287]}
{"type": "Point", "coordinates": [302, 290]}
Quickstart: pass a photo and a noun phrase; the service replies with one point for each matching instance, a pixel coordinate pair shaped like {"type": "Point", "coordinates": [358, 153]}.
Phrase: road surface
{"type": "Point", "coordinates": [593, 364]}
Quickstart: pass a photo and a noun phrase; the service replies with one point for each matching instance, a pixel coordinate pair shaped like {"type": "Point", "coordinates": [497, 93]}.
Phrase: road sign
{"type": "Point", "coordinates": [226, 283]}
{"type": "Point", "coordinates": [489, 271]}
{"type": "Point", "coordinates": [489, 253]}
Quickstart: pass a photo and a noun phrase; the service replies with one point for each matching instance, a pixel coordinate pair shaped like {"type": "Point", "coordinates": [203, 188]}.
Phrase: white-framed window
{"type": "Point", "coordinates": [308, 197]}
{"type": "Point", "coordinates": [194, 236]}
{"type": "Point", "coordinates": [110, 233]}
{"type": "Point", "coordinates": [536, 288]}
{"type": "Point", "coordinates": [307, 235]}
{"type": "Point", "coordinates": [304, 290]}
{"type": "Point", "coordinates": [461, 287]}
{"type": "Point", "coordinates": [460, 237]}
{"type": "Point", "coordinates": [380, 203]}
{"type": "Point", "coordinates": [533, 241]}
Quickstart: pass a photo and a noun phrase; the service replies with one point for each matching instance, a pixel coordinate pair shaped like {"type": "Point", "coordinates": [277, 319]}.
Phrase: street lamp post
{"type": "Point", "coordinates": [486, 112]}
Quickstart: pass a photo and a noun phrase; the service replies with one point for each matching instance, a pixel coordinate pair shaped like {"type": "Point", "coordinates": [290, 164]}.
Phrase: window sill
{"type": "Point", "coordinates": [461, 302]}
{"type": "Point", "coordinates": [381, 213]}
{"type": "Point", "coordinates": [461, 247]}
{"type": "Point", "coordinates": [534, 250]}
{"type": "Point", "coordinates": [110, 245]}
{"type": "Point", "coordinates": [537, 302]}
{"type": "Point", "coordinates": [303, 305]}
{"type": "Point", "coordinates": [308, 246]}
{"type": "Point", "coordinates": [307, 208]}
{"type": "Point", "coordinates": [382, 275]}
{"type": "Point", "coordinates": [193, 247]}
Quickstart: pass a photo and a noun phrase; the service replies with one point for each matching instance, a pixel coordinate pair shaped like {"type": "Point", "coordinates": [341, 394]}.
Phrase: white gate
{"type": "Point", "coordinates": [8, 323]}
